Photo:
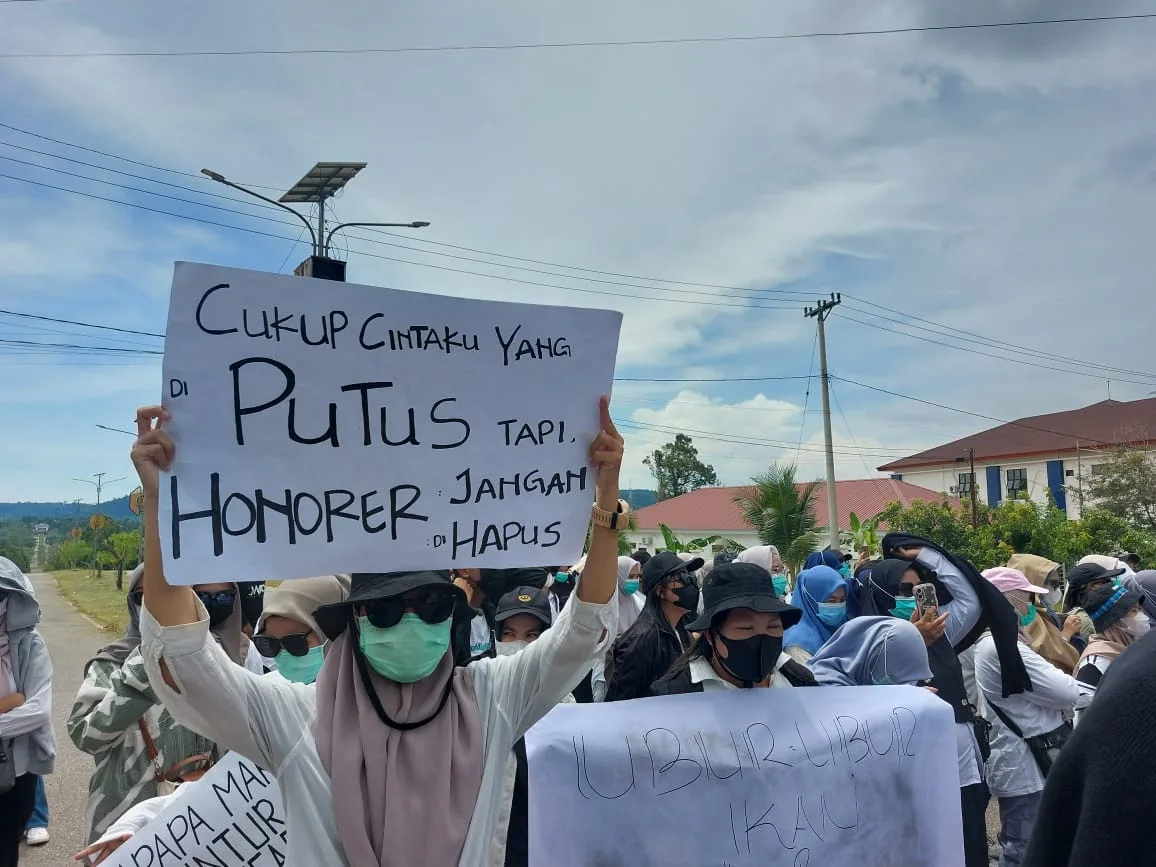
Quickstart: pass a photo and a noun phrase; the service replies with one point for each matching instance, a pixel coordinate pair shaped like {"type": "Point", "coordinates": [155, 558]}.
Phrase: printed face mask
{"type": "Point", "coordinates": [832, 614]}
{"type": "Point", "coordinates": [751, 659]}
{"type": "Point", "coordinates": [407, 652]}
{"type": "Point", "coordinates": [780, 584]}
{"type": "Point", "coordinates": [629, 586]}
{"type": "Point", "coordinates": [509, 648]}
{"type": "Point", "coordinates": [300, 669]}
{"type": "Point", "coordinates": [904, 607]}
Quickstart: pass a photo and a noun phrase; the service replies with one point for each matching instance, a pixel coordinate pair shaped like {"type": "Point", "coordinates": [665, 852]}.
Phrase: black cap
{"type": "Point", "coordinates": [664, 564]}
{"type": "Point", "coordinates": [525, 600]}
{"type": "Point", "coordinates": [1106, 605]}
{"type": "Point", "coordinates": [1083, 575]}
{"type": "Point", "coordinates": [742, 585]}
{"type": "Point", "coordinates": [365, 586]}
{"type": "Point", "coordinates": [640, 556]}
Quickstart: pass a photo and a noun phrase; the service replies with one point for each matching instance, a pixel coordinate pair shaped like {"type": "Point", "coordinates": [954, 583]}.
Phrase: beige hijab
{"type": "Point", "coordinates": [298, 599]}
{"type": "Point", "coordinates": [1110, 643]}
{"type": "Point", "coordinates": [1035, 568]}
{"type": "Point", "coordinates": [401, 797]}
{"type": "Point", "coordinates": [1048, 642]}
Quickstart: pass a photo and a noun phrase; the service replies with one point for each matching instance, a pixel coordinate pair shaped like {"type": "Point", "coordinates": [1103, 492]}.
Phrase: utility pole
{"type": "Point", "coordinates": [99, 485]}
{"type": "Point", "coordinates": [821, 311]}
{"type": "Point", "coordinates": [974, 502]}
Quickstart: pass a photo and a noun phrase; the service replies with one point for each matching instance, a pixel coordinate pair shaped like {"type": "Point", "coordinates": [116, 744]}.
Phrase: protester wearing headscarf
{"type": "Point", "coordinates": [967, 606]}
{"type": "Point", "coordinates": [1097, 808]}
{"type": "Point", "coordinates": [768, 557]}
{"type": "Point", "coordinates": [821, 595]}
{"type": "Point", "coordinates": [117, 705]}
{"type": "Point", "coordinates": [396, 756]}
{"type": "Point", "coordinates": [1013, 774]}
{"type": "Point", "coordinates": [740, 638]}
{"type": "Point", "coordinates": [1120, 621]}
{"type": "Point", "coordinates": [1144, 582]}
{"type": "Point", "coordinates": [25, 707]}
{"type": "Point", "coordinates": [1045, 573]}
{"type": "Point", "coordinates": [873, 651]}
{"type": "Point", "coordinates": [1041, 632]}
{"type": "Point", "coordinates": [645, 652]}
{"type": "Point", "coordinates": [287, 631]}
{"type": "Point", "coordinates": [629, 604]}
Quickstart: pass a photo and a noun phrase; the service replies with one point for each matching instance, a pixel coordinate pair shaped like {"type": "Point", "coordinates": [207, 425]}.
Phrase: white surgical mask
{"type": "Point", "coordinates": [509, 648]}
{"type": "Point", "coordinates": [1051, 597]}
{"type": "Point", "coordinates": [1138, 624]}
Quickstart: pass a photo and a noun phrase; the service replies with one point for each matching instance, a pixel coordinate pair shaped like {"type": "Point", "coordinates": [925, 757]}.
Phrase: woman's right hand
{"type": "Point", "coordinates": [931, 625]}
{"type": "Point", "coordinates": [100, 850]}
{"type": "Point", "coordinates": [153, 450]}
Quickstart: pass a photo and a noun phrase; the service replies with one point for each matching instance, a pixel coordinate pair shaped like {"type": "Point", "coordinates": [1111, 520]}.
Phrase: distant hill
{"type": "Point", "coordinates": [117, 509]}
{"type": "Point", "coordinates": [640, 498]}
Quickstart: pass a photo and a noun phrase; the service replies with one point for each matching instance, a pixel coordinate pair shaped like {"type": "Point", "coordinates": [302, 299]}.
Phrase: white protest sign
{"type": "Point", "coordinates": [326, 427]}
{"type": "Point", "coordinates": [833, 776]}
{"type": "Point", "coordinates": [231, 817]}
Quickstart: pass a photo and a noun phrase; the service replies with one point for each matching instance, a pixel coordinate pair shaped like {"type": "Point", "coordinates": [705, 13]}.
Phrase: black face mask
{"type": "Point", "coordinates": [687, 597]}
{"type": "Point", "coordinates": [751, 659]}
{"type": "Point", "coordinates": [219, 606]}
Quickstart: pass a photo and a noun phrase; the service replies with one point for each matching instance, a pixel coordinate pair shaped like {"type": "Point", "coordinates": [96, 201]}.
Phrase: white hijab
{"type": "Point", "coordinates": [760, 555]}
{"type": "Point", "coordinates": [629, 604]}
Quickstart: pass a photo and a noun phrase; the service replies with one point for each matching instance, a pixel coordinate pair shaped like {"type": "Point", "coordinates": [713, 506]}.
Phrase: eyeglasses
{"type": "Point", "coordinates": [431, 607]}
{"type": "Point", "coordinates": [270, 645]}
{"type": "Point", "coordinates": [223, 598]}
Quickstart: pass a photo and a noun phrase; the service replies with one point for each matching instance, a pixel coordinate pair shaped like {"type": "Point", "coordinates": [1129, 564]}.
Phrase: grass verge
{"type": "Point", "coordinates": [96, 597]}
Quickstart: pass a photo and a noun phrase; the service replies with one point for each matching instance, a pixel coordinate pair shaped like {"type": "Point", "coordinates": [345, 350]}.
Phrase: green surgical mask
{"type": "Point", "coordinates": [1027, 617]}
{"type": "Point", "coordinates": [904, 607]}
{"type": "Point", "coordinates": [406, 652]}
{"type": "Point", "coordinates": [779, 582]}
{"type": "Point", "coordinates": [630, 585]}
{"type": "Point", "coordinates": [301, 669]}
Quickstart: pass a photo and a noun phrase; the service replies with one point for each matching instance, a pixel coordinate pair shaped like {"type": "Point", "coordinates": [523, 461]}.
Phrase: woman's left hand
{"type": "Point", "coordinates": [99, 851]}
{"type": "Point", "coordinates": [606, 451]}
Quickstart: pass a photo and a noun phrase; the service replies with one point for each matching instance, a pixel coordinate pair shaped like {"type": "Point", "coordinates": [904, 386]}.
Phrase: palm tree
{"type": "Point", "coordinates": [782, 513]}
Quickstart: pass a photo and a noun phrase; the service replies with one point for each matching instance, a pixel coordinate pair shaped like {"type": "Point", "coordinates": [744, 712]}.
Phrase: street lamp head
{"type": "Point", "coordinates": [212, 175]}
{"type": "Point", "coordinates": [419, 224]}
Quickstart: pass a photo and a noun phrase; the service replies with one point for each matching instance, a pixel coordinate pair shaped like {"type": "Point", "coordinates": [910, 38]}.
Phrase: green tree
{"type": "Point", "coordinates": [678, 470]}
{"type": "Point", "coordinates": [123, 549]}
{"type": "Point", "coordinates": [1125, 485]}
{"type": "Point", "coordinates": [17, 554]}
{"type": "Point", "coordinates": [782, 513]}
{"type": "Point", "coordinates": [674, 545]}
{"type": "Point", "coordinates": [70, 554]}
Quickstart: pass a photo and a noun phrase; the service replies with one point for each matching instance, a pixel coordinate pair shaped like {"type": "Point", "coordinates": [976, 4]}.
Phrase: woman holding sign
{"type": "Point", "coordinates": [395, 756]}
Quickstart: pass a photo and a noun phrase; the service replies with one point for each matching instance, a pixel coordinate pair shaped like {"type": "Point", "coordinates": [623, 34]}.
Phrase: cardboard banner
{"type": "Point", "coordinates": [327, 427]}
{"type": "Point", "coordinates": [838, 776]}
{"type": "Point", "coordinates": [231, 817]}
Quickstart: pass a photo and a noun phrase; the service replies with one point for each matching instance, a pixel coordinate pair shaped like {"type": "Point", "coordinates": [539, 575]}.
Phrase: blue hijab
{"type": "Point", "coordinates": [824, 558]}
{"type": "Point", "coordinates": [813, 586]}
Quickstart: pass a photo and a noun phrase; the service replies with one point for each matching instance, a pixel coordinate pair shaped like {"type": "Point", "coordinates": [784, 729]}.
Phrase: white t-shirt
{"type": "Point", "coordinates": [481, 636]}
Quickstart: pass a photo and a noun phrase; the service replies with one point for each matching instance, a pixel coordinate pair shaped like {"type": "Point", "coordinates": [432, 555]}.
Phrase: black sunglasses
{"type": "Point", "coordinates": [431, 607]}
{"type": "Point", "coordinates": [270, 645]}
{"type": "Point", "coordinates": [224, 598]}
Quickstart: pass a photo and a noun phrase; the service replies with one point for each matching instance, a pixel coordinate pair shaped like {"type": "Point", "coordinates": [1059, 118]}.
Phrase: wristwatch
{"type": "Point", "coordinates": [610, 520]}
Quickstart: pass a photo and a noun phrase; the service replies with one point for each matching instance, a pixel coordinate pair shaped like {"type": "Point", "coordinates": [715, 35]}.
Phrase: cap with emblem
{"type": "Point", "coordinates": [525, 600]}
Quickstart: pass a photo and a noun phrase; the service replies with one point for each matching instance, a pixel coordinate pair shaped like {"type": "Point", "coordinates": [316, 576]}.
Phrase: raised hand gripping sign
{"type": "Point", "coordinates": [831, 776]}
{"type": "Point", "coordinates": [326, 427]}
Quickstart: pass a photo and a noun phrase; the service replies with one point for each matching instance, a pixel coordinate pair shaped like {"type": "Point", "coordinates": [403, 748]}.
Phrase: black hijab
{"type": "Point", "coordinates": [118, 651]}
{"type": "Point", "coordinates": [996, 613]}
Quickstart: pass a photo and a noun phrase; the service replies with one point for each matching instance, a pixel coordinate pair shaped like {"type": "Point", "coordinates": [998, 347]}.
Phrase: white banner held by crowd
{"type": "Point", "coordinates": [328, 427]}
{"type": "Point", "coordinates": [231, 817]}
{"type": "Point", "coordinates": [847, 777]}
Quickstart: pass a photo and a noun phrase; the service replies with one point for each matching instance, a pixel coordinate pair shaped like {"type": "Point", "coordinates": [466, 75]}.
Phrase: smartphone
{"type": "Point", "coordinates": [925, 598]}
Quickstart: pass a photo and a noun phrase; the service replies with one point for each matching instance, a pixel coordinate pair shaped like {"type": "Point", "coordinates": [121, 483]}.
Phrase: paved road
{"type": "Point", "coordinates": [71, 641]}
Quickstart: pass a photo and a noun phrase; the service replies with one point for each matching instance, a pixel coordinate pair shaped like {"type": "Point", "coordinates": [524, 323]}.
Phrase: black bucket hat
{"type": "Point", "coordinates": [1081, 576]}
{"type": "Point", "coordinates": [525, 600]}
{"type": "Point", "coordinates": [382, 585]}
{"type": "Point", "coordinates": [664, 564]}
{"type": "Point", "coordinates": [742, 585]}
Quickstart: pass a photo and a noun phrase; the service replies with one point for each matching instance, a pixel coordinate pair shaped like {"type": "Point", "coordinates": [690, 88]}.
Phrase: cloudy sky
{"type": "Point", "coordinates": [995, 183]}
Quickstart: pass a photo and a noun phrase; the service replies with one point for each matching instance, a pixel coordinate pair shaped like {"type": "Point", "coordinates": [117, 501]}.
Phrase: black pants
{"type": "Point", "coordinates": [15, 808]}
{"type": "Point", "coordinates": [974, 802]}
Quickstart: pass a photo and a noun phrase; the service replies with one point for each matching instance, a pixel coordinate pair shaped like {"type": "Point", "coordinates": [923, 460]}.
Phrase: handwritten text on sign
{"type": "Point", "coordinates": [802, 777]}
{"type": "Point", "coordinates": [326, 427]}
{"type": "Point", "coordinates": [232, 816]}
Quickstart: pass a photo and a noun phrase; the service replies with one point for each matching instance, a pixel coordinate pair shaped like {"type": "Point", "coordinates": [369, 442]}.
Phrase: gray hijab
{"type": "Point", "coordinates": [868, 651]}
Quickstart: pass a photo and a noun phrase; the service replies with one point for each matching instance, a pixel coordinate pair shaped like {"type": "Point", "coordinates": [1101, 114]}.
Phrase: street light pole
{"type": "Point", "coordinates": [220, 179]}
{"type": "Point", "coordinates": [99, 485]}
{"type": "Point", "coordinates": [416, 224]}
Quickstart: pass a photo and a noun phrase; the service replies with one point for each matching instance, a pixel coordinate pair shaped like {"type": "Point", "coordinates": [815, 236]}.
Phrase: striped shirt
{"type": "Point", "coordinates": [103, 723]}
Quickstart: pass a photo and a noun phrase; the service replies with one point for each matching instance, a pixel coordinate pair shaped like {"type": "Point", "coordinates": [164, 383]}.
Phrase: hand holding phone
{"type": "Point", "coordinates": [925, 599]}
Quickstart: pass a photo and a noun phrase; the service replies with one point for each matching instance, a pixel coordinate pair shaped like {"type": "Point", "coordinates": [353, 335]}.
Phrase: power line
{"type": "Point", "coordinates": [614, 43]}
{"type": "Point", "coordinates": [968, 412]}
{"type": "Point", "coordinates": [847, 425]}
{"type": "Point", "coordinates": [81, 324]}
{"type": "Point", "coordinates": [806, 398]}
